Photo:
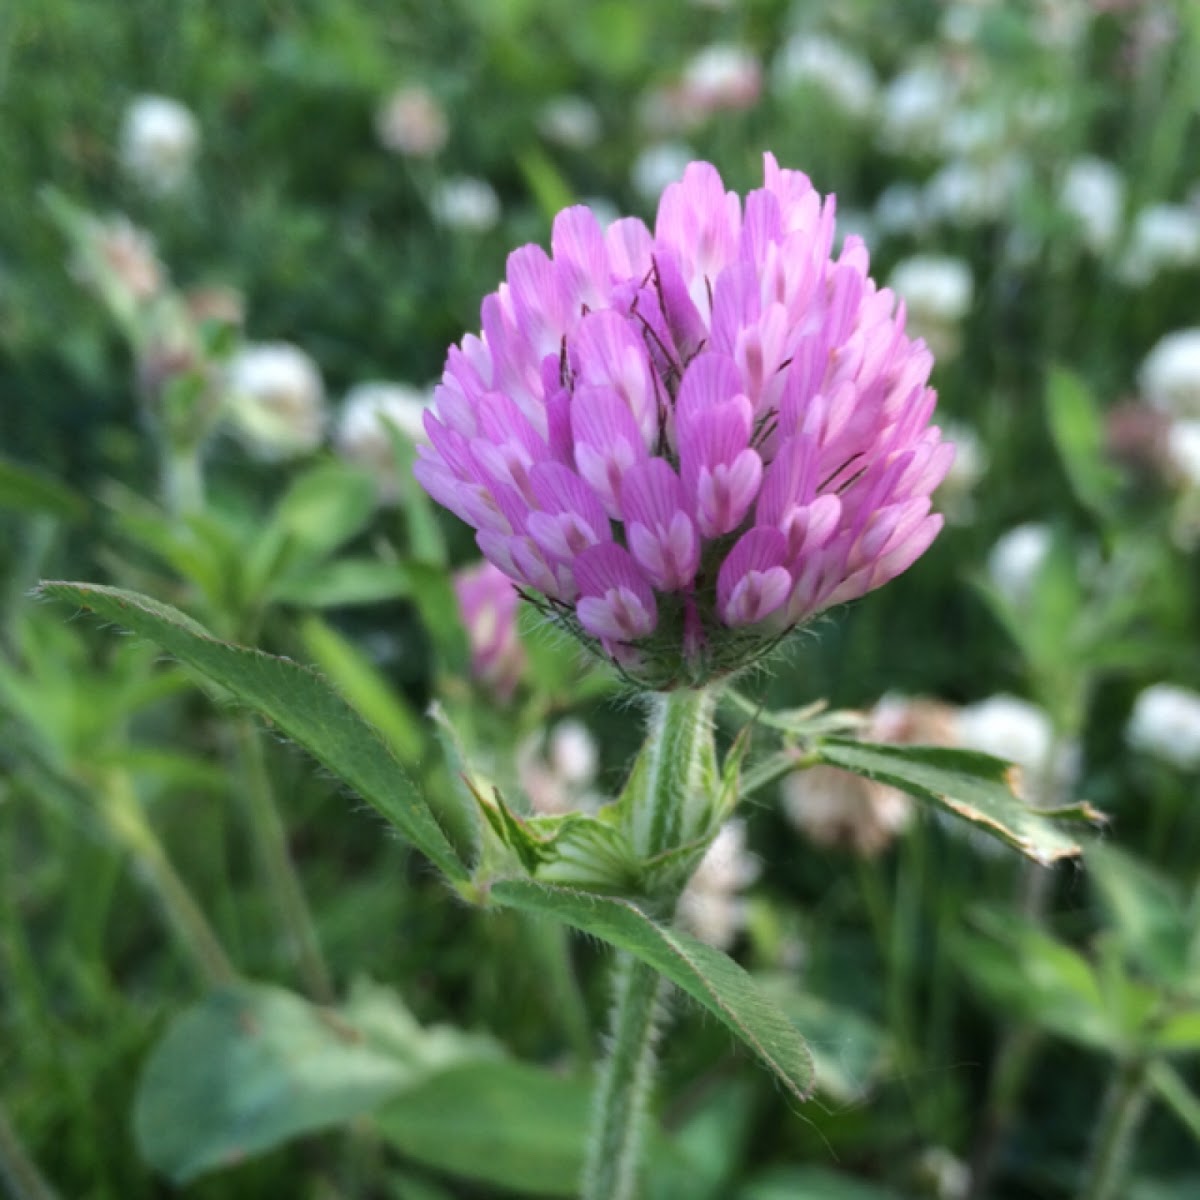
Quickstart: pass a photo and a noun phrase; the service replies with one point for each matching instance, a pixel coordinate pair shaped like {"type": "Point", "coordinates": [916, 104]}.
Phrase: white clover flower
{"type": "Point", "coordinates": [362, 436]}
{"type": "Point", "coordinates": [711, 906]}
{"type": "Point", "coordinates": [1164, 236]}
{"type": "Point", "coordinates": [1016, 561]}
{"type": "Point", "coordinates": [158, 143]}
{"type": "Point", "coordinates": [722, 76]}
{"type": "Point", "coordinates": [1165, 723]}
{"type": "Point", "coordinates": [975, 132]}
{"type": "Point", "coordinates": [1093, 193]}
{"type": "Point", "coordinates": [412, 122]}
{"type": "Point", "coordinates": [1169, 377]}
{"type": "Point", "coordinates": [570, 121]}
{"type": "Point", "coordinates": [1183, 452]}
{"type": "Point", "coordinates": [937, 291]}
{"type": "Point", "coordinates": [817, 60]}
{"type": "Point", "coordinates": [275, 400]}
{"type": "Point", "coordinates": [1021, 733]}
{"type": "Point", "coordinates": [913, 108]}
{"type": "Point", "coordinates": [573, 753]}
{"type": "Point", "coordinates": [935, 287]}
{"type": "Point", "coordinates": [466, 204]}
{"type": "Point", "coordinates": [658, 165]}
{"type": "Point", "coordinates": [901, 209]}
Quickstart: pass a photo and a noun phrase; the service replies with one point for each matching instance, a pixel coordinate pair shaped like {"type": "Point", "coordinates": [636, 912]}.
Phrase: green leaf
{"type": "Point", "coordinates": [1027, 973]}
{"type": "Point", "coordinates": [849, 1051]}
{"type": "Point", "coordinates": [707, 975]}
{"type": "Point", "coordinates": [23, 489]}
{"type": "Point", "coordinates": [251, 1066]}
{"type": "Point", "coordinates": [324, 508]}
{"type": "Point", "coordinates": [358, 680]}
{"type": "Point", "coordinates": [976, 787]}
{"type": "Point", "coordinates": [1172, 1089]}
{"type": "Point", "coordinates": [1078, 433]}
{"type": "Point", "coordinates": [295, 699]}
{"type": "Point", "coordinates": [342, 583]}
{"type": "Point", "coordinates": [500, 1123]}
{"type": "Point", "coordinates": [1149, 916]}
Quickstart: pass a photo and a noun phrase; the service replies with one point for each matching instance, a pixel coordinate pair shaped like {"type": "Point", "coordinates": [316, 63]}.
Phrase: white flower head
{"type": "Point", "coordinates": [573, 753]}
{"type": "Point", "coordinates": [1093, 194]}
{"type": "Point", "coordinates": [965, 193]}
{"type": "Point", "coordinates": [914, 107]}
{"type": "Point", "coordinates": [954, 496]}
{"type": "Point", "coordinates": [722, 76]}
{"type": "Point", "coordinates": [275, 400]}
{"type": "Point", "coordinates": [570, 121]}
{"type": "Point", "coordinates": [412, 122]}
{"type": "Point", "coordinates": [816, 60]}
{"type": "Point", "coordinates": [657, 165]}
{"type": "Point", "coordinates": [1164, 236]}
{"type": "Point", "coordinates": [1020, 732]}
{"type": "Point", "coordinates": [465, 203]}
{"type": "Point", "coordinates": [1016, 561]}
{"type": "Point", "coordinates": [711, 906]}
{"type": "Point", "coordinates": [901, 209]}
{"type": "Point", "coordinates": [935, 287]}
{"type": "Point", "coordinates": [158, 143]}
{"type": "Point", "coordinates": [1165, 723]}
{"type": "Point", "coordinates": [362, 435]}
{"type": "Point", "coordinates": [1183, 453]}
{"type": "Point", "coordinates": [1170, 375]}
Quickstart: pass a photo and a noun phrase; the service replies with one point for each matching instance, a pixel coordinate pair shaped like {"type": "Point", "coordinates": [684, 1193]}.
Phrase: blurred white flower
{"type": "Point", "coordinates": [945, 1177]}
{"type": "Point", "coordinates": [411, 121]}
{"type": "Point", "coordinates": [832, 807]}
{"type": "Point", "coordinates": [570, 121]}
{"type": "Point", "coordinates": [1093, 193]}
{"type": "Point", "coordinates": [969, 193]}
{"type": "Point", "coordinates": [362, 436]}
{"type": "Point", "coordinates": [914, 107]}
{"type": "Point", "coordinates": [573, 753]}
{"type": "Point", "coordinates": [954, 496]}
{"type": "Point", "coordinates": [657, 165]}
{"type": "Point", "coordinates": [465, 203]}
{"type": "Point", "coordinates": [556, 771]}
{"type": "Point", "coordinates": [819, 61]}
{"type": "Point", "coordinates": [901, 209]}
{"type": "Point", "coordinates": [158, 143]}
{"type": "Point", "coordinates": [1183, 452]}
{"type": "Point", "coordinates": [1169, 377]}
{"type": "Point", "coordinates": [1165, 723]}
{"type": "Point", "coordinates": [1021, 733]}
{"type": "Point", "coordinates": [937, 291]}
{"type": "Point", "coordinates": [275, 400]}
{"type": "Point", "coordinates": [711, 906]}
{"type": "Point", "coordinates": [974, 132]}
{"type": "Point", "coordinates": [1016, 561]}
{"type": "Point", "coordinates": [1163, 236]}
{"type": "Point", "coordinates": [722, 76]}
{"type": "Point", "coordinates": [117, 260]}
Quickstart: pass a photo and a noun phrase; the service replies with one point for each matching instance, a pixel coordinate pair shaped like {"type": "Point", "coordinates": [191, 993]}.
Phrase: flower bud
{"type": "Point", "coordinates": [363, 433]}
{"type": "Point", "coordinates": [1165, 724]}
{"type": "Point", "coordinates": [411, 122]}
{"type": "Point", "coordinates": [487, 605]}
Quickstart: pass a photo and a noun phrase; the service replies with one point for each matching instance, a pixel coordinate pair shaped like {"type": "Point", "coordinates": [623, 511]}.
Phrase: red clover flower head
{"type": "Point", "coordinates": [683, 444]}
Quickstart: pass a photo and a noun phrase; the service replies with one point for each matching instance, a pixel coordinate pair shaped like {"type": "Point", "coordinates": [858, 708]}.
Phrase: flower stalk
{"type": "Point", "coordinates": [1116, 1134]}
{"type": "Point", "coordinates": [623, 1092]}
{"type": "Point", "coordinates": [18, 1172]}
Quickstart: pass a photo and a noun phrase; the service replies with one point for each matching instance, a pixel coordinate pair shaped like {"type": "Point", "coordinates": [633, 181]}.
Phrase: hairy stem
{"type": "Point", "coordinates": [619, 1119]}
{"type": "Point", "coordinates": [1116, 1134]}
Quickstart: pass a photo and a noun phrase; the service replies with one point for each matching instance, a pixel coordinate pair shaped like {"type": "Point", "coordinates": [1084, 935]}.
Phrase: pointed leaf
{"type": "Point", "coordinates": [1078, 433]}
{"type": "Point", "coordinates": [297, 700]}
{"type": "Point", "coordinates": [977, 787]}
{"type": "Point", "coordinates": [707, 975]}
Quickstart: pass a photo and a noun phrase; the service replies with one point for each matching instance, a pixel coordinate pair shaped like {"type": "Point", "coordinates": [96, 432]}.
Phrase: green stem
{"type": "Point", "coordinates": [1115, 1136]}
{"type": "Point", "coordinates": [270, 836]}
{"type": "Point", "coordinates": [182, 480]}
{"type": "Point", "coordinates": [671, 804]}
{"type": "Point", "coordinates": [619, 1119]}
{"type": "Point", "coordinates": [17, 1170]}
{"type": "Point", "coordinates": [128, 826]}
